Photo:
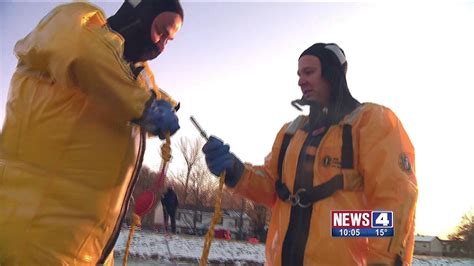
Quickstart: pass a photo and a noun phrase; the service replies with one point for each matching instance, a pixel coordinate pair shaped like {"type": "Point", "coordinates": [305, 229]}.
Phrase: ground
{"type": "Point", "coordinates": [151, 248]}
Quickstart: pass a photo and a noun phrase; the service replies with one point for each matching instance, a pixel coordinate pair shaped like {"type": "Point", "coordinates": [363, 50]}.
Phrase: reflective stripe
{"type": "Point", "coordinates": [260, 173]}
{"type": "Point", "coordinates": [134, 3]}
{"type": "Point", "coordinates": [337, 51]}
{"type": "Point", "coordinates": [349, 119]}
{"type": "Point", "coordinates": [295, 125]}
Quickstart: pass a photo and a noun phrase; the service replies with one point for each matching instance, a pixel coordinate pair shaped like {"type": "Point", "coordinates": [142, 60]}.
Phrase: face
{"type": "Point", "coordinates": [312, 84]}
{"type": "Point", "coordinates": [163, 29]}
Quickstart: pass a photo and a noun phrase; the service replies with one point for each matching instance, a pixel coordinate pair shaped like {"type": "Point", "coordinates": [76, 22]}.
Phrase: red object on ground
{"type": "Point", "coordinates": [253, 240]}
{"type": "Point", "coordinates": [222, 234]}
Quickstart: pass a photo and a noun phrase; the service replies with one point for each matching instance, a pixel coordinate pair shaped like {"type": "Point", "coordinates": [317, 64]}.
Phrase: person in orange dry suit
{"type": "Point", "coordinates": [81, 102]}
{"type": "Point", "coordinates": [342, 156]}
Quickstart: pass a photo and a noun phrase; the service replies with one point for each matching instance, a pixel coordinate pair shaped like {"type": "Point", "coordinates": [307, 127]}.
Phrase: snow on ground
{"type": "Point", "coordinates": [441, 261]}
{"type": "Point", "coordinates": [184, 248]}
{"type": "Point", "coordinates": [152, 248]}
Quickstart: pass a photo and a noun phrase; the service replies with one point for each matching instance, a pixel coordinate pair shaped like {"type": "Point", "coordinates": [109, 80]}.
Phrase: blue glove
{"type": "Point", "coordinates": [219, 159]}
{"type": "Point", "coordinates": [159, 118]}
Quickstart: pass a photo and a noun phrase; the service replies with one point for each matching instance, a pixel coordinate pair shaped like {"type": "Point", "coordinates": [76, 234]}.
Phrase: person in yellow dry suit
{"type": "Point", "coordinates": [81, 102]}
{"type": "Point", "coordinates": [342, 156]}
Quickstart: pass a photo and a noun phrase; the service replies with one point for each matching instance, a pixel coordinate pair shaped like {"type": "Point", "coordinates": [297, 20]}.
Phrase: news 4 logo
{"type": "Point", "coordinates": [362, 223]}
{"type": "Point", "coordinates": [382, 219]}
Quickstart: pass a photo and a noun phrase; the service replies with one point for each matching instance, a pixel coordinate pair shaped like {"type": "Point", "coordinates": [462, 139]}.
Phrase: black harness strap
{"type": "Point", "coordinates": [347, 152]}
{"type": "Point", "coordinates": [281, 156]}
{"type": "Point", "coordinates": [322, 191]}
{"type": "Point", "coordinates": [281, 189]}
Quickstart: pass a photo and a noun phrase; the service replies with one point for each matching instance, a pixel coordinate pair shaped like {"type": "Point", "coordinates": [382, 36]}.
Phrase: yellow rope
{"type": "Point", "coordinates": [166, 156]}
{"type": "Point", "coordinates": [166, 150]}
{"type": "Point", "coordinates": [136, 222]}
{"type": "Point", "coordinates": [215, 219]}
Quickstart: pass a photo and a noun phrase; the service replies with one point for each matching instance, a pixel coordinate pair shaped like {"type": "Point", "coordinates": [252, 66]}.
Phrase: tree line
{"type": "Point", "coordinates": [195, 186]}
{"type": "Point", "coordinates": [463, 237]}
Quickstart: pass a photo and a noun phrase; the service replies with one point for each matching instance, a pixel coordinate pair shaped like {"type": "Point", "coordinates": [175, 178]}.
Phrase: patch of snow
{"type": "Point", "coordinates": [152, 248]}
{"type": "Point", "coordinates": [419, 260]}
{"type": "Point", "coordinates": [179, 248]}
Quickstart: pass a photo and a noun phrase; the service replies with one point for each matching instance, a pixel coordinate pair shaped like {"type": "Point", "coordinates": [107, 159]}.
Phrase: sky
{"type": "Point", "coordinates": [233, 67]}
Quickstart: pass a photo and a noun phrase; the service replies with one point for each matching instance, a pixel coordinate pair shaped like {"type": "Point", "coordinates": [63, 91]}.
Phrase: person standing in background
{"type": "Point", "coordinates": [170, 205]}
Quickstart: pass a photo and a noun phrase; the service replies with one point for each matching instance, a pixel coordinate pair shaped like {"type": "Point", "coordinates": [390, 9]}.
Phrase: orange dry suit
{"type": "Point", "coordinates": [376, 173]}
{"type": "Point", "coordinates": [68, 153]}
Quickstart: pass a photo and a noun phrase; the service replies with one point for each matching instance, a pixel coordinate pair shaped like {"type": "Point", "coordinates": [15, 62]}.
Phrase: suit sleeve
{"type": "Point", "coordinates": [257, 183]}
{"type": "Point", "coordinates": [100, 71]}
{"type": "Point", "coordinates": [74, 49]}
{"type": "Point", "coordinates": [387, 164]}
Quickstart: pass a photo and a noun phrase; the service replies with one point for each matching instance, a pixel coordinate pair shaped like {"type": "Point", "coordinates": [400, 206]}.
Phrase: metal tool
{"type": "Point", "coordinates": [199, 128]}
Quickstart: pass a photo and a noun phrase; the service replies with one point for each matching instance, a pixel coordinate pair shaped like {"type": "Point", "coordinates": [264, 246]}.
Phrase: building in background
{"type": "Point", "coordinates": [448, 248]}
{"type": "Point", "coordinates": [428, 245]}
{"type": "Point", "coordinates": [196, 221]}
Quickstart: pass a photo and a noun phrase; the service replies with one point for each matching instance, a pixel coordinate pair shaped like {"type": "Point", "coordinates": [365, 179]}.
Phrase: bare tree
{"type": "Point", "coordinates": [145, 180]}
{"type": "Point", "coordinates": [191, 152]}
{"type": "Point", "coordinates": [195, 185]}
{"type": "Point", "coordinates": [260, 216]}
{"type": "Point", "coordinates": [201, 188]}
{"type": "Point", "coordinates": [463, 238]}
{"type": "Point", "coordinates": [243, 207]}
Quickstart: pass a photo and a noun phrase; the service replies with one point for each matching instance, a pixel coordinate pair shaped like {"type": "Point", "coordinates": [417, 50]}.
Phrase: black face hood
{"type": "Point", "coordinates": [134, 24]}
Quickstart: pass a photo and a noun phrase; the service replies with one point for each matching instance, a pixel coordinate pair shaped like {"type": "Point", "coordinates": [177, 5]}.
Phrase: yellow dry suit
{"type": "Point", "coordinates": [68, 153]}
{"type": "Point", "coordinates": [380, 176]}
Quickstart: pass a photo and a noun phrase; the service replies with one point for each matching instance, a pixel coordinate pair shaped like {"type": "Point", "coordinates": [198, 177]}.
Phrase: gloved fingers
{"type": "Point", "coordinates": [174, 127]}
{"type": "Point", "coordinates": [220, 151]}
{"type": "Point", "coordinates": [171, 127]}
{"type": "Point", "coordinates": [212, 144]}
{"type": "Point", "coordinates": [220, 164]}
{"type": "Point", "coordinates": [160, 134]}
{"type": "Point", "coordinates": [218, 160]}
{"type": "Point", "coordinates": [229, 162]}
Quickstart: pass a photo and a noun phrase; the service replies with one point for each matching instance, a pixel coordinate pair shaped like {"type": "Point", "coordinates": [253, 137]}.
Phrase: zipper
{"type": "Point", "coordinates": [136, 171]}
